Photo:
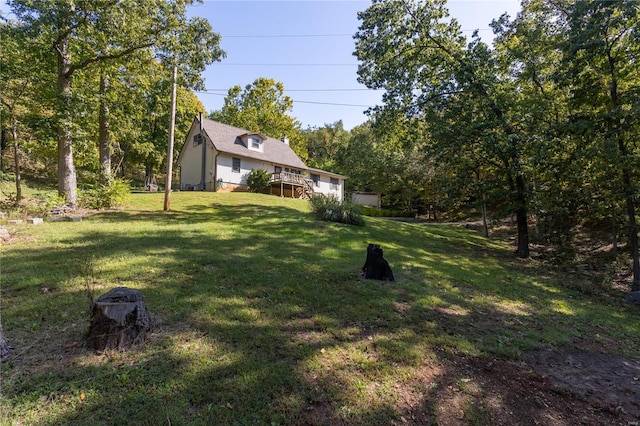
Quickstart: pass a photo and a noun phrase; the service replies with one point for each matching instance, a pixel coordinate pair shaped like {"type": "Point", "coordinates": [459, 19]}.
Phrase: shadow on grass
{"type": "Point", "coordinates": [264, 320]}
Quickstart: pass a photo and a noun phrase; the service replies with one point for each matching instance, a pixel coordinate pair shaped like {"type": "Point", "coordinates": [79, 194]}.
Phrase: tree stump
{"type": "Point", "coordinates": [4, 346]}
{"type": "Point", "coordinates": [118, 319]}
{"type": "Point", "coordinates": [376, 267]}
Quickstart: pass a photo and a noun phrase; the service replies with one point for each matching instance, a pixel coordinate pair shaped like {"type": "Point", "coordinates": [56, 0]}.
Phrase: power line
{"type": "Point", "coordinates": [313, 35]}
{"type": "Point", "coordinates": [298, 101]}
{"type": "Point", "coordinates": [285, 35]}
{"type": "Point", "coordinates": [309, 90]}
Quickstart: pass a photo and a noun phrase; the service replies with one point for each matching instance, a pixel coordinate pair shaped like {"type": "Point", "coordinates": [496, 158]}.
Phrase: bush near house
{"type": "Point", "coordinates": [258, 180]}
{"type": "Point", "coordinates": [331, 209]}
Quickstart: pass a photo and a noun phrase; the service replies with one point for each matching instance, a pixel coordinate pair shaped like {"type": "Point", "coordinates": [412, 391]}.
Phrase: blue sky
{"type": "Point", "coordinates": [308, 46]}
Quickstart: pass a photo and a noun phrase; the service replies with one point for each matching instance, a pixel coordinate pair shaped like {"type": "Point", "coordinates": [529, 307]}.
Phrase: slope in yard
{"type": "Point", "coordinates": [260, 317]}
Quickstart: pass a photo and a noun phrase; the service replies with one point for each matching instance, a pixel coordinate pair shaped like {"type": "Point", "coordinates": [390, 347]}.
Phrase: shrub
{"type": "Point", "coordinates": [329, 208]}
{"type": "Point", "coordinates": [258, 180]}
{"type": "Point", "coordinates": [97, 196]}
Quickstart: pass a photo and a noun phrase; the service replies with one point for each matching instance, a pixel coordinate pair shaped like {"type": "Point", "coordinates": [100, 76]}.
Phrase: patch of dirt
{"type": "Point", "coordinates": [612, 380]}
{"type": "Point", "coordinates": [556, 389]}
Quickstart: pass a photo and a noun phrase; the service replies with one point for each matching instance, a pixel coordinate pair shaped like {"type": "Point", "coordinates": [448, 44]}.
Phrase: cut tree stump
{"type": "Point", "coordinates": [4, 346]}
{"type": "Point", "coordinates": [118, 320]}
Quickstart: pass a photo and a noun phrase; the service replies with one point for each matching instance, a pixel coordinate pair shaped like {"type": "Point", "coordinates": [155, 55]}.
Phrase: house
{"type": "Point", "coordinates": [218, 157]}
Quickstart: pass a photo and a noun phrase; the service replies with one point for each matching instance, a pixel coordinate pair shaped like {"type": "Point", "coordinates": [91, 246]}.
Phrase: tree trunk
{"type": "Point", "coordinates": [16, 163]}
{"type": "Point", "coordinates": [172, 122]}
{"type": "Point", "coordinates": [485, 227]}
{"type": "Point", "coordinates": [119, 318]}
{"type": "Point", "coordinates": [632, 232]}
{"type": "Point", "coordinates": [67, 183]}
{"type": "Point", "coordinates": [4, 345]}
{"type": "Point", "coordinates": [614, 231]}
{"type": "Point", "coordinates": [3, 147]}
{"type": "Point", "coordinates": [521, 215]}
{"type": "Point", "coordinates": [104, 142]}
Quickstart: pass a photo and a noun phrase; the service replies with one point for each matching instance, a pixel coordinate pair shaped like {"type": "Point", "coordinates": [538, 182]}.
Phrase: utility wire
{"type": "Point", "coordinates": [300, 102]}
{"type": "Point", "coordinates": [307, 90]}
{"type": "Point", "coordinates": [314, 35]}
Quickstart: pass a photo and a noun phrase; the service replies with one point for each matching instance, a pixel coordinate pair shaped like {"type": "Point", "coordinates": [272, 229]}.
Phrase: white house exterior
{"type": "Point", "coordinates": [219, 157]}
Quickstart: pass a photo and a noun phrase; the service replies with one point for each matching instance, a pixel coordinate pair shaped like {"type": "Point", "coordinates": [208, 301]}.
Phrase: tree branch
{"type": "Point", "coordinates": [110, 56]}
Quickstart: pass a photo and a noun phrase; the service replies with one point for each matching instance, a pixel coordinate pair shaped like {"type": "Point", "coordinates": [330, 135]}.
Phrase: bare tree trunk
{"type": "Point", "coordinates": [67, 182]}
{"type": "Point", "coordinates": [3, 146]}
{"type": "Point", "coordinates": [614, 231]}
{"type": "Point", "coordinates": [4, 345]}
{"type": "Point", "coordinates": [104, 142]}
{"type": "Point", "coordinates": [632, 233]}
{"type": "Point", "coordinates": [16, 164]}
{"type": "Point", "coordinates": [485, 227]}
{"type": "Point", "coordinates": [172, 122]}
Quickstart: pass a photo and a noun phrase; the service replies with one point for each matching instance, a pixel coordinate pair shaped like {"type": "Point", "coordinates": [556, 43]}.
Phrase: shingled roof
{"type": "Point", "coordinates": [226, 139]}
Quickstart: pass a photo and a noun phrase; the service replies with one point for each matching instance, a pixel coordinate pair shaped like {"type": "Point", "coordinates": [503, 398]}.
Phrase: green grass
{"type": "Point", "coordinates": [259, 315]}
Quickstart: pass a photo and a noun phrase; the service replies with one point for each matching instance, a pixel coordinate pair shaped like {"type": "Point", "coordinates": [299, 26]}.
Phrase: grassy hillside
{"type": "Point", "coordinates": [260, 316]}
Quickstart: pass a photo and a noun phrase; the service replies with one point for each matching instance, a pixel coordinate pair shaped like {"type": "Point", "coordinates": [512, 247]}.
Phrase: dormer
{"type": "Point", "coordinates": [254, 141]}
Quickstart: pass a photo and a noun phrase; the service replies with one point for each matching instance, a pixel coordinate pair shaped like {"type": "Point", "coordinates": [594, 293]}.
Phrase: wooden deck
{"type": "Point", "coordinates": [291, 185]}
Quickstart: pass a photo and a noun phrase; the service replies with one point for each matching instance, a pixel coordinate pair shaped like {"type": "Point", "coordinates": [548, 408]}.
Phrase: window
{"type": "Point", "coordinates": [334, 183]}
{"type": "Point", "coordinates": [277, 169]}
{"type": "Point", "coordinates": [197, 139]}
{"type": "Point", "coordinates": [315, 179]}
{"type": "Point", "coordinates": [255, 143]}
{"type": "Point", "coordinates": [236, 165]}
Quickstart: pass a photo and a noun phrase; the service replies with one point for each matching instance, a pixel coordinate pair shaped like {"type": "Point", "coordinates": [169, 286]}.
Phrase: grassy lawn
{"type": "Point", "coordinates": [260, 318]}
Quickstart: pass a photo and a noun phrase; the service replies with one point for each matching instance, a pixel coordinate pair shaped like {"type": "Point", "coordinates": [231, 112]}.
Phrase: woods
{"type": "Point", "coordinates": [543, 124]}
{"type": "Point", "coordinates": [540, 125]}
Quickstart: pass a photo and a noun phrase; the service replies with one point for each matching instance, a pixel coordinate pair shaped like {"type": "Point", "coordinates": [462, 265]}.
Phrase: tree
{"type": "Point", "coordinates": [82, 34]}
{"type": "Point", "coordinates": [601, 56]}
{"type": "Point", "coordinates": [20, 88]}
{"type": "Point", "coordinates": [419, 57]}
{"type": "Point", "coordinates": [262, 107]}
{"type": "Point", "coordinates": [324, 143]}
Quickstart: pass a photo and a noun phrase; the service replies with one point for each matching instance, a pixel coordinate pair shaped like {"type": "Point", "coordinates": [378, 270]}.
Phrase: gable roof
{"type": "Point", "coordinates": [227, 139]}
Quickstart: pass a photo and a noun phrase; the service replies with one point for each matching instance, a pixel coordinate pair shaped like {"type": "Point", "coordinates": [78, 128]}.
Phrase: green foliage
{"type": "Point", "coordinates": [330, 208]}
{"type": "Point", "coordinates": [258, 180]}
{"type": "Point", "coordinates": [324, 146]}
{"type": "Point", "coordinates": [98, 196]}
{"type": "Point", "coordinates": [262, 107]}
{"type": "Point", "coordinates": [376, 212]}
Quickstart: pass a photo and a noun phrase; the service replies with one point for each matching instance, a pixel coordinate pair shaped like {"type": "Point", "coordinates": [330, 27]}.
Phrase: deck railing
{"type": "Point", "coordinates": [293, 179]}
{"type": "Point", "coordinates": [288, 177]}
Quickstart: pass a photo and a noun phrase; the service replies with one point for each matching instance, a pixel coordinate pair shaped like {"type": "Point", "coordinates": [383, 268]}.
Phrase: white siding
{"type": "Point", "coordinates": [225, 165]}
{"type": "Point", "coordinates": [325, 186]}
{"type": "Point", "coordinates": [191, 162]}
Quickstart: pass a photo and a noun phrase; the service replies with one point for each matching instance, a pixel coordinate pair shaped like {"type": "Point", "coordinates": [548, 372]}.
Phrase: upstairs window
{"type": "Point", "coordinates": [197, 139]}
{"type": "Point", "coordinates": [334, 184]}
{"type": "Point", "coordinates": [235, 167]}
{"type": "Point", "coordinates": [254, 143]}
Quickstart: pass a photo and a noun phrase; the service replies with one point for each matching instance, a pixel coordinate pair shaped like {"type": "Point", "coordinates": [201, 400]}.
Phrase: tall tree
{"type": "Point", "coordinates": [262, 107]}
{"type": "Point", "coordinates": [82, 34]}
{"type": "Point", "coordinates": [21, 87]}
{"type": "Point", "coordinates": [413, 51]}
{"type": "Point", "coordinates": [323, 145]}
{"type": "Point", "coordinates": [601, 56]}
